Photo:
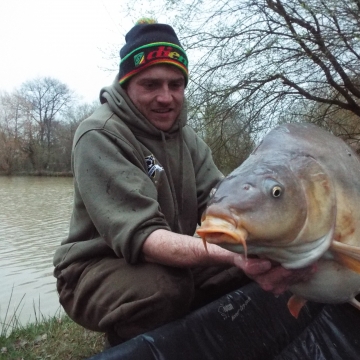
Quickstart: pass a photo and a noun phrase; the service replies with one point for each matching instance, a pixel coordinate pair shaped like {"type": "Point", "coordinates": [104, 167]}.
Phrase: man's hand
{"type": "Point", "coordinates": [273, 277]}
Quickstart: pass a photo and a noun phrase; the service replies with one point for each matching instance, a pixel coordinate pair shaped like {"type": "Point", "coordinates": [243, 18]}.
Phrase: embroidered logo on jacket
{"type": "Point", "coordinates": [152, 165]}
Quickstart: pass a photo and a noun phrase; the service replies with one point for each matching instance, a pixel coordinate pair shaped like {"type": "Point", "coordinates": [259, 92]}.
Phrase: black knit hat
{"type": "Point", "coordinates": [149, 43]}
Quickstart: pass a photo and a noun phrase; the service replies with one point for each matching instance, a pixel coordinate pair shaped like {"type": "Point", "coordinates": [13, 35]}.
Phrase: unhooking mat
{"type": "Point", "coordinates": [250, 324]}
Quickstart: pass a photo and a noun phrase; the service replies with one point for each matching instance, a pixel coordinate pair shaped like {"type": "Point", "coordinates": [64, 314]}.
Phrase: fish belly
{"type": "Point", "coordinates": [332, 283]}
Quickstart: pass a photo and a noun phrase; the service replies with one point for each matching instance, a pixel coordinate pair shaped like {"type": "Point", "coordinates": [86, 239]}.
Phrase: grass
{"type": "Point", "coordinates": [56, 337]}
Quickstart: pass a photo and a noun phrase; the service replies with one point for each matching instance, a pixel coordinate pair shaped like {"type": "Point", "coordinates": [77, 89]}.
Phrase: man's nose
{"type": "Point", "coordinates": [164, 94]}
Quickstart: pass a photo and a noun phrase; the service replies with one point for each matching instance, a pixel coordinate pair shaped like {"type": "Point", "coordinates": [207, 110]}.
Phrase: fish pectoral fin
{"type": "Point", "coordinates": [355, 303]}
{"type": "Point", "coordinates": [346, 255]}
{"type": "Point", "coordinates": [295, 304]}
{"type": "Point", "coordinates": [350, 250]}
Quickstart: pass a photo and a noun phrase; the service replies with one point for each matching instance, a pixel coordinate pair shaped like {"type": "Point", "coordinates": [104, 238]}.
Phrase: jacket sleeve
{"type": "Point", "coordinates": [115, 193]}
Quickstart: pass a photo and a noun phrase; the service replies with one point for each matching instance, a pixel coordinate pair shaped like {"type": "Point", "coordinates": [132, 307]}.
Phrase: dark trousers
{"type": "Point", "coordinates": [109, 295]}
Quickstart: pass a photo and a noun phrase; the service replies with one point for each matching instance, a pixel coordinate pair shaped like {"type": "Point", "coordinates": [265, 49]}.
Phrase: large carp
{"type": "Point", "coordinates": [296, 201]}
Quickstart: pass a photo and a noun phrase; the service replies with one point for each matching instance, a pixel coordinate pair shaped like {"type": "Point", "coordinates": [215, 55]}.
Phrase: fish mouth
{"type": "Point", "coordinates": [219, 231]}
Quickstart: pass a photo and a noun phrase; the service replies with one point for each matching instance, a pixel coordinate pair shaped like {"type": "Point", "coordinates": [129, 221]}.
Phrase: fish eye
{"type": "Point", "coordinates": [276, 191]}
{"type": "Point", "coordinates": [213, 191]}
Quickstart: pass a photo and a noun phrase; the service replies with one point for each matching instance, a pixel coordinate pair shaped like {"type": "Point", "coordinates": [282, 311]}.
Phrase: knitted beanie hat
{"type": "Point", "coordinates": [149, 43]}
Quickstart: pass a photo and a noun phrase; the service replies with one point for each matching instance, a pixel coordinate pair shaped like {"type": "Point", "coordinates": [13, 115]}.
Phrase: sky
{"type": "Point", "coordinates": [70, 40]}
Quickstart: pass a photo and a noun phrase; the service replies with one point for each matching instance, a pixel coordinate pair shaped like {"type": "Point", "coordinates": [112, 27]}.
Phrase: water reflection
{"type": "Point", "coordinates": [34, 218]}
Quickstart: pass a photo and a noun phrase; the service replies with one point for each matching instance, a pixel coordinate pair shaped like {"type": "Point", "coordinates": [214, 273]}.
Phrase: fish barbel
{"type": "Point", "coordinates": [296, 201]}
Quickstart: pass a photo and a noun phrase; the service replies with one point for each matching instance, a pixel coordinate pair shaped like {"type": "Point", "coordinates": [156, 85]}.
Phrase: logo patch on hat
{"type": "Point", "coordinates": [139, 59]}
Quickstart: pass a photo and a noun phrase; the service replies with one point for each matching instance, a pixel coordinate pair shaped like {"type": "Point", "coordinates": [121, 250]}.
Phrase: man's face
{"type": "Point", "coordinates": [158, 93]}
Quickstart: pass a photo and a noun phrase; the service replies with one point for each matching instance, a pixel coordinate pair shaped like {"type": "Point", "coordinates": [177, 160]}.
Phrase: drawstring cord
{"type": "Point", "coordinates": [181, 139]}
{"type": "Point", "coordinates": [172, 187]}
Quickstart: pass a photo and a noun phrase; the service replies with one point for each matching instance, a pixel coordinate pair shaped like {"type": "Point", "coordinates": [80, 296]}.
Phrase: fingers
{"type": "Point", "coordinates": [279, 279]}
{"type": "Point", "coordinates": [276, 280]}
{"type": "Point", "coordinates": [272, 277]}
{"type": "Point", "coordinates": [252, 267]}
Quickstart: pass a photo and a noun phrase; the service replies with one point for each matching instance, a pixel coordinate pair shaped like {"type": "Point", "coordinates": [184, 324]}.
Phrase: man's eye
{"type": "Point", "coordinates": [176, 85]}
{"type": "Point", "coordinates": [149, 85]}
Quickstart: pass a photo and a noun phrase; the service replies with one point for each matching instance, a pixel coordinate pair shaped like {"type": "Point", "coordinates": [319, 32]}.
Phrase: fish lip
{"type": "Point", "coordinates": [217, 231]}
{"type": "Point", "coordinates": [232, 235]}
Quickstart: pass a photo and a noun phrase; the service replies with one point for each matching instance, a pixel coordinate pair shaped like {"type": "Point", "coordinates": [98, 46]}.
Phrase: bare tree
{"type": "Point", "coordinates": [11, 130]}
{"type": "Point", "coordinates": [37, 125]}
{"type": "Point", "coordinates": [223, 127]}
{"type": "Point", "coordinates": [47, 98]}
{"type": "Point", "coordinates": [64, 134]}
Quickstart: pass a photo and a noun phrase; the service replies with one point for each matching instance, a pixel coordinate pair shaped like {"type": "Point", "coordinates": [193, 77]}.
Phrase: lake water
{"type": "Point", "coordinates": [34, 218]}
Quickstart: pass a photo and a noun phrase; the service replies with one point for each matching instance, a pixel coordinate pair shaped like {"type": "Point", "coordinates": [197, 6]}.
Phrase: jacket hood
{"type": "Point", "coordinates": [123, 107]}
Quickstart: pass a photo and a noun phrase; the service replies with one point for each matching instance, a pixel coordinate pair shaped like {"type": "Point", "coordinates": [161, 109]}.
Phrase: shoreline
{"type": "Point", "coordinates": [38, 173]}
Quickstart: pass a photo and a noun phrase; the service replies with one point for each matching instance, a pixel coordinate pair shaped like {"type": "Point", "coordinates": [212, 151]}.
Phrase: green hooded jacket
{"type": "Point", "coordinates": [131, 179]}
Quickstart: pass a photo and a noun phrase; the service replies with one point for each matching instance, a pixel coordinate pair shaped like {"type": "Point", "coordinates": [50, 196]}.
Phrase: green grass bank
{"type": "Point", "coordinates": [53, 338]}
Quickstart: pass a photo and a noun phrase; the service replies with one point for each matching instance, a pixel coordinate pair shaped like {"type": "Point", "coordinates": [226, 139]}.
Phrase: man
{"type": "Point", "coordinates": [142, 179]}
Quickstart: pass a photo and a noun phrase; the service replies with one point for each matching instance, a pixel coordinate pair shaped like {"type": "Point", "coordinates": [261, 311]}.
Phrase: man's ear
{"type": "Point", "coordinates": [125, 86]}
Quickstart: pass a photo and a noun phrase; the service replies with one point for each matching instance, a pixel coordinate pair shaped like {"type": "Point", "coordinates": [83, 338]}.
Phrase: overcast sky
{"type": "Point", "coordinates": [64, 39]}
